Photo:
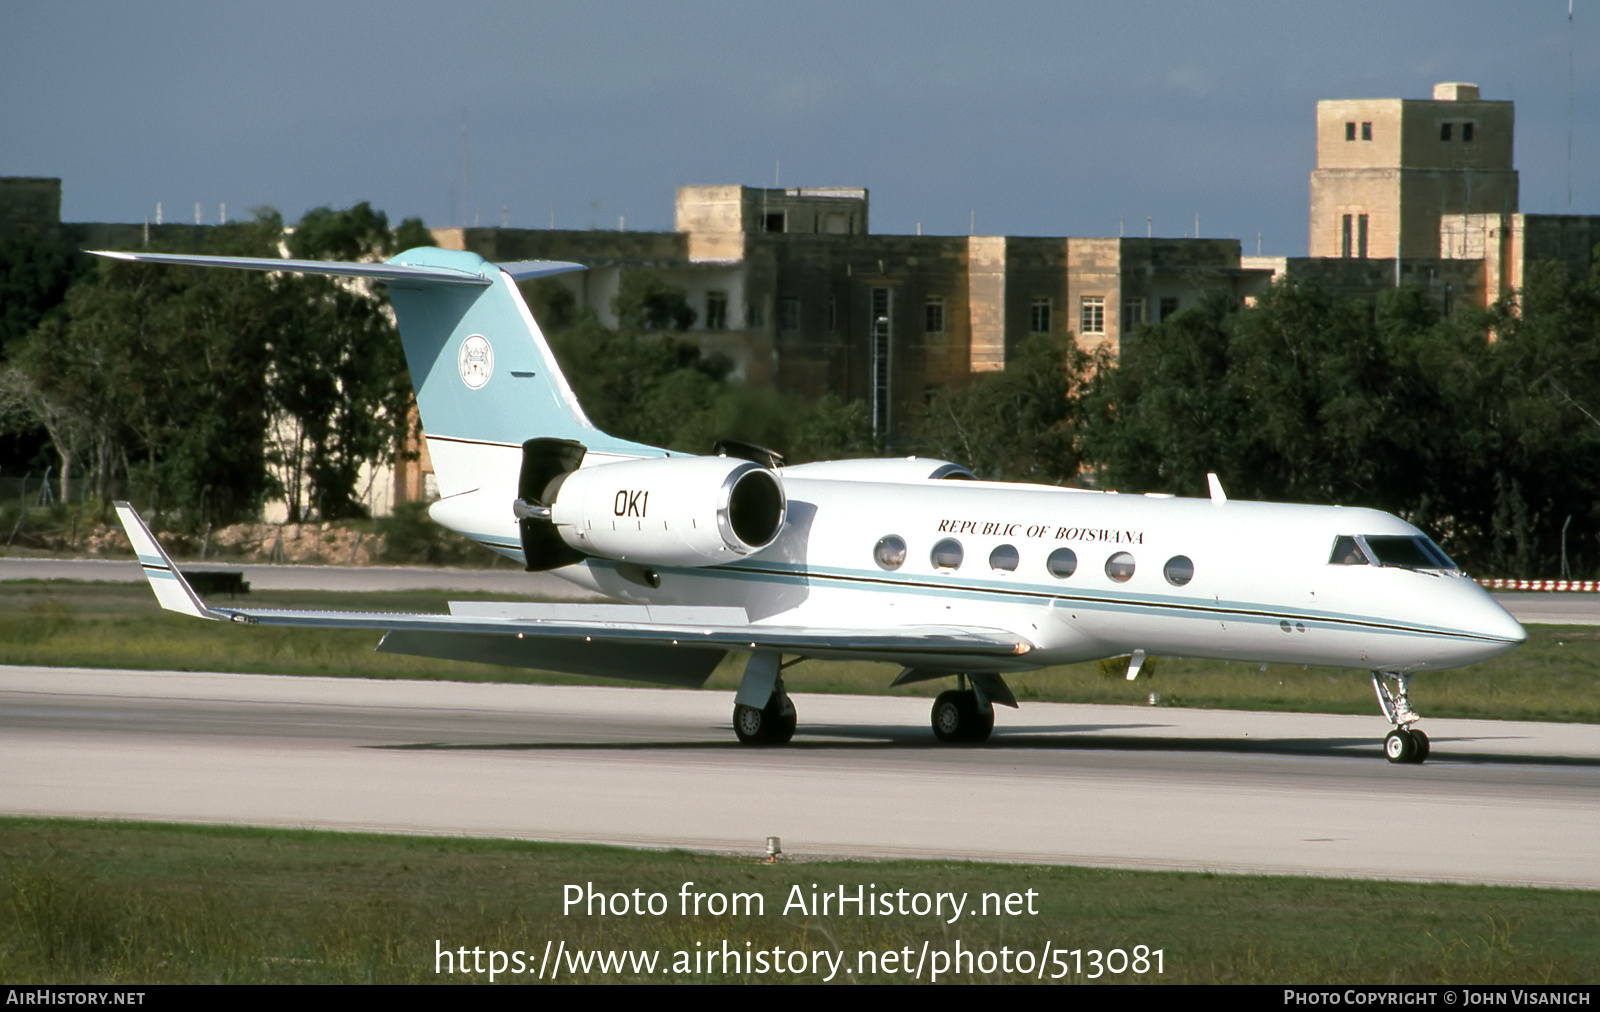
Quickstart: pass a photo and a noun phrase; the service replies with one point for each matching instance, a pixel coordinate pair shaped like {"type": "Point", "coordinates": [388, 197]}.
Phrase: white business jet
{"type": "Point", "coordinates": [906, 560]}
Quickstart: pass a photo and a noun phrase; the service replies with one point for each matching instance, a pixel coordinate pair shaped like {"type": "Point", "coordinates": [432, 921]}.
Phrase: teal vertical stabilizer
{"type": "Point", "coordinates": [482, 369]}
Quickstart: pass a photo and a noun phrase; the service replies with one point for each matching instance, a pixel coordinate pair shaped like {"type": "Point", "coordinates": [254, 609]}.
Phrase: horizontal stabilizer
{"type": "Point", "coordinates": [390, 272]}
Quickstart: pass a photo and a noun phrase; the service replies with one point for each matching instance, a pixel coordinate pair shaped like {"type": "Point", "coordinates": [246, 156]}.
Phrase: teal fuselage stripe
{"type": "Point", "coordinates": [1130, 604]}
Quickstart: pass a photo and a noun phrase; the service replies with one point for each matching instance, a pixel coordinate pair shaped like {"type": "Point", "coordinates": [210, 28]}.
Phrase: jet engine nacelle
{"type": "Point", "coordinates": [670, 511]}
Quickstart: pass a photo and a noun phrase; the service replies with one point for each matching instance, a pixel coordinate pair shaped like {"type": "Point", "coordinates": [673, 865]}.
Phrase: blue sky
{"type": "Point", "coordinates": [1037, 118]}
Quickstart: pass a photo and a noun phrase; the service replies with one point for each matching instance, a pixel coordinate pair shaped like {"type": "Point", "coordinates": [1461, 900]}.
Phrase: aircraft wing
{"type": "Point", "coordinates": [563, 636]}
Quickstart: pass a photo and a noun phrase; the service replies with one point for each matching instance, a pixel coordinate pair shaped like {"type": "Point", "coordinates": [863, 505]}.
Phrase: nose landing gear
{"type": "Point", "coordinates": [1405, 744]}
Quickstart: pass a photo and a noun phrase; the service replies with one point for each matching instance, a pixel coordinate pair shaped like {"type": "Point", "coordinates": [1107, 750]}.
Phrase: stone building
{"type": "Point", "coordinates": [792, 286]}
{"type": "Point", "coordinates": [1388, 169]}
{"type": "Point", "coordinates": [1424, 192]}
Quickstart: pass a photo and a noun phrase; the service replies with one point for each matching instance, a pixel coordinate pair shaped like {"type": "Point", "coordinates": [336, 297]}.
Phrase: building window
{"type": "Point", "coordinates": [775, 221]}
{"type": "Point", "coordinates": [1366, 131]}
{"type": "Point", "coordinates": [933, 315]}
{"type": "Point", "coordinates": [1169, 305]}
{"type": "Point", "coordinates": [1039, 317]}
{"type": "Point", "coordinates": [1466, 133]}
{"type": "Point", "coordinates": [716, 310]}
{"type": "Point", "coordinates": [1344, 242]}
{"type": "Point", "coordinates": [1093, 314]}
{"type": "Point", "coordinates": [882, 338]}
{"type": "Point", "coordinates": [789, 313]}
{"type": "Point", "coordinates": [1444, 131]}
{"type": "Point", "coordinates": [1349, 131]}
{"type": "Point", "coordinates": [1361, 236]}
{"type": "Point", "coordinates": [833, 316]}
{"type": "Point", "coordinates": [1132, 314]}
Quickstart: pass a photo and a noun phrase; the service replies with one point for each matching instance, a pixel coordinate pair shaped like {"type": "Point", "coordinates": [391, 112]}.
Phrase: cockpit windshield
{"type": "Point", "coordinates": [1400, 552]}
{"type": "Point", "coordinates": [1415, 552]}
{"type": "Point", "coordinates": [1346, 552]}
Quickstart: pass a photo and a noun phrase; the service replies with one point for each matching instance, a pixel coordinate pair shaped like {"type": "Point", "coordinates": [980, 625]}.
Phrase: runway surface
{"type": "Point", "coordinates": [1537, 608]}
{"type": "Point", "coordinates": [1501, 802]}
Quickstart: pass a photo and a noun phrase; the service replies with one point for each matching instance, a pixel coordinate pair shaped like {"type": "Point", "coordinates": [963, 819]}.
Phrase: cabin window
{"type": "Point", "coordinates": [1347, 553]}
{"type": "Point", "coordinates": [1120, 567]}
{"type": "Point", "coordinates": [890, 552]}
{"type": "Point", "coordinates": [1062, 563]}
{"type": "Point", "coordinates": [1179, 570]}
{"type": "Point", "coordinates": [947, 554]}
{"type": "Point", "coordinates": [1004, 558]}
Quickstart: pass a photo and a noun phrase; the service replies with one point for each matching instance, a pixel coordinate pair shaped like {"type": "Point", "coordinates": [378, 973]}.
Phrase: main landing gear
{"type": "Point", "coordinates": [763, 713]}
{"type": "Point", "coordinates": [965, 714]}
{"type": "Point", "coordinates": [959, 716]}
{"type": "Point", "coordinates": [772, 724]}
{"type": "Point", "coordinates": [1405, 744]}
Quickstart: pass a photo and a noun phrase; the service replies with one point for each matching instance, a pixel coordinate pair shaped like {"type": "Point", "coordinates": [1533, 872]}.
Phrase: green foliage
{"type": "Point", "coordinates": [646, 302]}
{"type": "Point", "coordinates": [410, 537]}
{"type": "Point", "coordinates": [552, 303]}
{"type": "Point", "coordinates": [1019, 424]}
{"type": "Point", "coordinates": [661, 390]}
{"type": "Point", "coordinates": [106, 902]}
{"type": "Point", "coordinates": [35, 273]}
{"type": "Point", "coordinates": [174, 374]}
{"type": "Point", "coordinates": [159, 363]}
{"type": "Point", "coordinates": [1474, 427]}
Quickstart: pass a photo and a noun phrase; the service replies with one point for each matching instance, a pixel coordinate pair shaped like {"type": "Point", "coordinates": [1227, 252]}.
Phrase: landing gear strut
{"type": "Point", "coordinates": [1405, 744]}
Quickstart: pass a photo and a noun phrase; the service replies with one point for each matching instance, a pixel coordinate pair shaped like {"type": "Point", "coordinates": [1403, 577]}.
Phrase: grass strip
{"type": "Point", "coordinates": [1554, 676]}
{"type": "Point", "coordinates": [123, 903]}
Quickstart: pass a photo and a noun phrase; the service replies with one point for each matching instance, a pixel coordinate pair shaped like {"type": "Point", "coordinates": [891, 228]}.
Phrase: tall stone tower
{"type": "Point", "coordinates": [1389, 168]}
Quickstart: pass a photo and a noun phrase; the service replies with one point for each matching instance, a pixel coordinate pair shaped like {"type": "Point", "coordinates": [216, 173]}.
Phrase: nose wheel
{"type": "Point", "coordinates": [1405, 744]}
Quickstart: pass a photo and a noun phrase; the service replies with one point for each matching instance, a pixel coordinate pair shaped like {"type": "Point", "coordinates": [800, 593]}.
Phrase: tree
{"type": "Point", "coordinates": [646, 302]}
{"type": "Point", "coordinates": [1020, 424]}
{"type": "Point", "coordinates": [338, 380]}
{"type": "Point", "coordinates": [660, 390]}
{"type": "Point", "coordinates": [35, 273]}
{"type": "Point", "coordinates": [162, 363]}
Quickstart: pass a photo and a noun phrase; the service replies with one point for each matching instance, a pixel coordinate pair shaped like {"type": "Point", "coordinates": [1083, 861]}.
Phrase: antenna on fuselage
{"type": "Point", "coordinates": [1217, 495]}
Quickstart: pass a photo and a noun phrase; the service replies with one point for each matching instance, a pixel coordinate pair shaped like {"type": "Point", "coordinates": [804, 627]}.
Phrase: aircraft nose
{"type": "Point", "coordinates": [1491, 619]}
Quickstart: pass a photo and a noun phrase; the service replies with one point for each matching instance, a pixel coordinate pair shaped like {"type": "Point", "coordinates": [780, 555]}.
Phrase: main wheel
{"type": "Point", "coordinates": [949, 716]}
{"type": "Point", "coordinates": [982, 724]}
{"type": "Point", "coordinates": [781, 719]}
{"type": "Point", "coordinates": [773, 724]}
{"type": "Point", "coordinates": [750, 724]}
{"type": "Point", "coordinates": [956, 718]}
{"type": "Point", "coordinates": [1420, 740]}
{"type": "Point", "coordinates": [1399, 746]}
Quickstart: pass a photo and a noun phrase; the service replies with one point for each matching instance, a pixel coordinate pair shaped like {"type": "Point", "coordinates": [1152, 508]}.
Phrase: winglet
{"type": "Point", "coordinates": [172, 590]}
{"type": "Point", "coordinates": [1217, 495]}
